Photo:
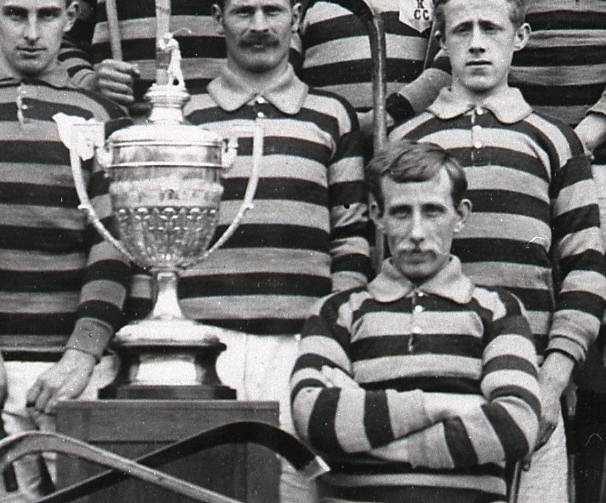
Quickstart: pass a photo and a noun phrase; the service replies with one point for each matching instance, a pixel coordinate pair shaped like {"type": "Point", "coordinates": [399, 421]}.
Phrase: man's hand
{"type": "Point", "coordinates": [592, 131]}
{"type": "Point", "coordinates": [336, 378]}
{"type": "Point", "coordinates": [554, 376]}
{"type": "Point", "coordinates": [116, 79]}
{"type": "Point", "coordinates": [367, 123]}
{"type": "Point", "coordinates": [66, 379]}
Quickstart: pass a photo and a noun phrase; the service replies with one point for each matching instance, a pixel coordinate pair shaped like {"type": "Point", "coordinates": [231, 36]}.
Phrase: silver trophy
{"type": "Point", "coordinates": [165, 190]}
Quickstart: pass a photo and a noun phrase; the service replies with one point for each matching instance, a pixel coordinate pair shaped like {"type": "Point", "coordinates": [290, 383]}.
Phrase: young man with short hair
{"type": "Point", "coordinates": [61, 286]}
{"type": "Point", "coordinates": [536, 226]}
{"type": "Point", "coordinates": [421, 386]}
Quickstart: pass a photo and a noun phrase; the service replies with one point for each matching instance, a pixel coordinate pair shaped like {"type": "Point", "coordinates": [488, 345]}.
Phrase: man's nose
{"type": "Point", "coordinates": [417, 228]}
{"type": "Point", "coordinates": [477, 42]}
{"type": "Point", "coordinates": [32, 31]}
{"type": "Point", "coordinates": [259, 21]}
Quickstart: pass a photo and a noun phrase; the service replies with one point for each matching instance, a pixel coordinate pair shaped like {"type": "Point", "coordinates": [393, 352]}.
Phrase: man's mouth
{"type": "Point", "coordinates": [416, 255]}
{"type": "Point", "coordinates": [479, 62]}
{"type": "Point", "coordinates": [259, 43]}
{"type": "Point", "coordinates": [30, 51]}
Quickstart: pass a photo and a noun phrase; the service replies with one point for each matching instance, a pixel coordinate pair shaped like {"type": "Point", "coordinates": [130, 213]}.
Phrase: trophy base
{"type": "Point", "coordinates": [167, 359]}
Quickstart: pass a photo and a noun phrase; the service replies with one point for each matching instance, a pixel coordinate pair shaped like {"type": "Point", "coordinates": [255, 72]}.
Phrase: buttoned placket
{"type": "Point", "coordinates": [22, 106]}
{"type": "Point", "coordinates": [258, 104]}
{"type": "Point", "coordinates": [476, 133]}
{"type": "Point", "coordinates": [416, 311]}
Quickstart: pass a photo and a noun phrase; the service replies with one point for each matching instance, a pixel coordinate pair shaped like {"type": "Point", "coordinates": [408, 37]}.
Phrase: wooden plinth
{"type": "Point", "coordinates": [247, 472]}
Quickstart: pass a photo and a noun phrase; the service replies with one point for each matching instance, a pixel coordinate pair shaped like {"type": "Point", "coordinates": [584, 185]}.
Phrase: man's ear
{"type": "Point", "coordinates": [72, 11]}
{"type": "Point", "coordinates": [439, 36]}
{"type": "Point", "coordinates": [463, 210]}
{"type": "Point", "coordinates": [376, 215]}
{"type": "Point", "coordinates": [522, 36]}
{"type": "Point", "coordinates": [218, 18]}
{"type": "Point", "coordinates": [297, 14]}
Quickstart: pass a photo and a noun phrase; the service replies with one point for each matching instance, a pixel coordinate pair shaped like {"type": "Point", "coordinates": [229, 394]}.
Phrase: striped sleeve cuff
{"type": "Point", "coordinates": [90, 336]}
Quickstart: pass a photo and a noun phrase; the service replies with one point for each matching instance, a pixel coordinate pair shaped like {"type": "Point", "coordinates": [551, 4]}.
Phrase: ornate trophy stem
{"type": "Point", "coordinates": [167, 302]}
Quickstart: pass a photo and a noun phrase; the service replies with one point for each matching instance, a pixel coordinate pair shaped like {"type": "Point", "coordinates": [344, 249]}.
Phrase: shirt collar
{"type": "Point", "coordinates": [508, 106]}
{"type": "Point", "coordinates": [449, 283]}
{"type": "Point", "coordinates": [55, 75]}
{"type": "Point", "coordinates": [287, 93]}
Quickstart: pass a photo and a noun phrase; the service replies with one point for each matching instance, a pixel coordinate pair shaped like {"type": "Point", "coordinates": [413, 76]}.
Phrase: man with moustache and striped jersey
{"type": "Point", "coordinates": [536, 227]}
{"type": "Point", "coordinates": [421, 386]}
{"type": "Point", "coordinates": [307, 233]}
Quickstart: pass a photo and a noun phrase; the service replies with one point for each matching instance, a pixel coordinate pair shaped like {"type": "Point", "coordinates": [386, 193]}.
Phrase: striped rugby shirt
{"type": "Point", "coordinates": [202, 48]}
{"type": "Point", "coordinates": [447, 394]}
{"type": "Point", "coordinates": [337, 51]}
{"type": "Point", "coordinates": [562, 70]}
{"type": "Point", "coordinates": [307, 233]}
{"type": "Point", "coordinates": [535, 227]}
{"type": "Point", "coordinates": [57, 276]}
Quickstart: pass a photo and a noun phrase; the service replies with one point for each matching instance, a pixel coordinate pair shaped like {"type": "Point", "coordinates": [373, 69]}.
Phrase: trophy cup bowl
{"type": "Point", "coordinates": [165, 188]}
{"type": "Point", "coordinates": [165, 191]}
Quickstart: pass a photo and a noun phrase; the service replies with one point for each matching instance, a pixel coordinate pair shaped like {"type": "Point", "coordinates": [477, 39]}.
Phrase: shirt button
{"type": "Point", "coordinates": [418, 309]}
{"type": "Point", "coordinates": [480, 111]}
{"type": "Point", "coordinates": [261, 115]}
{"type": "Point", "coordinates": [475, 134]}
{"type": "Point", "coordinates": [261, 100]}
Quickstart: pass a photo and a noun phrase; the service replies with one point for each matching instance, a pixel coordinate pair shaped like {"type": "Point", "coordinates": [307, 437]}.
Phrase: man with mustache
{"type": "Point", "coordinates": [61, 286]}
{"type": "Point", "coordinates": [307, 233]}
{"type": "Point", "coordinates": [420, 386]}
{"type": "Point", "coordinates": [536, 225]}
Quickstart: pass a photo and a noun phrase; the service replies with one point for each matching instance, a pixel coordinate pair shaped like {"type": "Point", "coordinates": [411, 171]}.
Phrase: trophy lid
{"type": "Point", "coordinates": [166, 124]}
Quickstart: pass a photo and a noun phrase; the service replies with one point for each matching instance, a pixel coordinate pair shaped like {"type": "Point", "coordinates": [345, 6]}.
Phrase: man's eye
{"type": "Point", "coordinates": [490, 27]}
{"type": "Point", "coordinates": [274, 11]}
{"type": "Point", "coordinates": [434, 212]}
{"type": "Point", "coordinates": [460, 30]}
{"type": "Point", "coordinates": [47, 16]}
{"type": "Point", "coordinates": [15, 14]}
{"type": "Point", "coordinates": [244, 12]}
{"type": "Point", "coordinates": [400, 213]}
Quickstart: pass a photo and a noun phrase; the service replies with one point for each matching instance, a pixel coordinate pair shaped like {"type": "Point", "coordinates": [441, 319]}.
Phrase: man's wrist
{"type": "Point", "coordinates": [556, 371]}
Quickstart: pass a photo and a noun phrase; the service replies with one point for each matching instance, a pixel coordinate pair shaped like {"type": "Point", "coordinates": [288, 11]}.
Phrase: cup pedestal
{"type": "Point", "coordinates": [167, 359]}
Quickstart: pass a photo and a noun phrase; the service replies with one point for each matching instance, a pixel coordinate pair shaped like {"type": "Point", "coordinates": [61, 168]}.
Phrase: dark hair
{"type": "Point", "coordinates": [517, 15]}
{"type": "Point", "coordinates": [406, 161]}
{"type": "Point", "coordinates": [221, 3]}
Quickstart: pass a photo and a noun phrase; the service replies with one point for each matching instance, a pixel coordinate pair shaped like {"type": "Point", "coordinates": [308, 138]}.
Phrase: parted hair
{"type": "Point", "coordinates": [406, 161]}
{"type": "Point", "coordinates": [517, 14]}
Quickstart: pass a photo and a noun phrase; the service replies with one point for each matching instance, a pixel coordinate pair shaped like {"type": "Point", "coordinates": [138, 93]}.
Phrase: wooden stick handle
{"type": "Point", "coordinates": [114, 29]}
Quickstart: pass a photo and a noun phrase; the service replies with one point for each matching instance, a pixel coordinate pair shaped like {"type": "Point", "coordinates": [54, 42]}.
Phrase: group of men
{"type": "Point", "coordinates": [420, 386]}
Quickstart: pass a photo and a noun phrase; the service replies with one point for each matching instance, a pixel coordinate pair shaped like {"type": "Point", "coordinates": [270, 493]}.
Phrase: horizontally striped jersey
{"type": "Point", "coordinates": [417, 393]}
{"type": "Point", "coordinates": [336, 48]}
{"type": "Point", "coordinates": [57, 276]}
{"type": "Point", "coordinates": [535, 226]}
{"type": "Point", "coordinates": [562, 70]}
{"type": "Point", "coordinates": [202, 48]}
{"type": "Point", "coordinates": [307, 232]}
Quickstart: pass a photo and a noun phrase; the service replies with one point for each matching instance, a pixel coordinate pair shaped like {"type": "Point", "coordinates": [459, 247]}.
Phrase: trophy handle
{"type": "Point", "coordinates": [253, 180]}
{"type": "Point", "coordinates": [87, 206]}
{"type": "Point", "coordinates": [83, 138]}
